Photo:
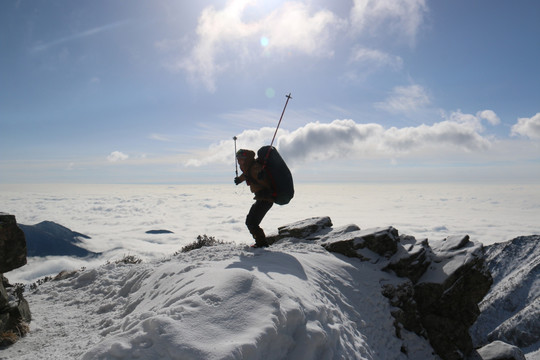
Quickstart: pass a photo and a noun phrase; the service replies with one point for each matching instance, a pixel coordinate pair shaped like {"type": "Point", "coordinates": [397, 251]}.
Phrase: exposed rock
{"type": "Point", "coordinates": [305, 229]}
{"type": "Point", "coordinates": [441, 284]}
{"type": "Point", "coordinates": [448, 293]}
{"type": "Point", "coordinates": [50, 239]}
{"type": "Point", "coordinates": [401, 296]}
{"type": "Point", "coordinates": [4, 300]}
{"type": "Point", "coordinates": [412, 259]}
{"type": "Point", "coordinates": [380, 242]}
{"type": "Point", "coordinates": [14, 309]}
{"type": "Point", "coordinates": [12, 244]}
{"type": "Point", "coordinates": [14, 314]}
{"type": "Point", "coordinates": [499, 350]}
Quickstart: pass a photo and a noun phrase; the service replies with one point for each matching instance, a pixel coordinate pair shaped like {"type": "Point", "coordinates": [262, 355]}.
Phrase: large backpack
{"type": "Point", "coordinates": [279, 174]}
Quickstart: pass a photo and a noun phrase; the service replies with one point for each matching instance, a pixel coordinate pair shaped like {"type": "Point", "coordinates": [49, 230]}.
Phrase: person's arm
{"type": "Point", "coordinates": [240, 179]}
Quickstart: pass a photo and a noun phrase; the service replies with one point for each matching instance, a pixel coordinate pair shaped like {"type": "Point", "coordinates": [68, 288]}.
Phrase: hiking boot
{"type": "Point", "coordinates": [260, 245]}
{"type": "Point", "coordinates": [260, 238]}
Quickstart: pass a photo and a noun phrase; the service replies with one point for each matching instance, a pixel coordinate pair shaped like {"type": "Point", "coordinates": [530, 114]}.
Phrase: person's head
{"type": "Point", "coordinates": [244, 156]}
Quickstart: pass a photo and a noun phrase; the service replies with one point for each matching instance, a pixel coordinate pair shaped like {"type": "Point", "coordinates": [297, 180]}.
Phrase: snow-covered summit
{"type": "Point", "coordinates": [295, 300]}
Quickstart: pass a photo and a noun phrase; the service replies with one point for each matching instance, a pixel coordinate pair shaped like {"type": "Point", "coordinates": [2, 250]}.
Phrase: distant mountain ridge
{"type": "Point", "coordinates": [48, 238]}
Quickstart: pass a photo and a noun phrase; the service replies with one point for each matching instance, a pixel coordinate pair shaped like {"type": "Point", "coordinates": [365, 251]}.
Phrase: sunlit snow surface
{"type": "Point", "coordinates": [291, 301]}
{"type": "Point", "coordinates": [116, 217]}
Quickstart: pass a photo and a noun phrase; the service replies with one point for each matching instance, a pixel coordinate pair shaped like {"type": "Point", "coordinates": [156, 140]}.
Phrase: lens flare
{"type": "Point", "coordinates": [264, 41]}
{"type": "Point", "coordinates": [270, 93]}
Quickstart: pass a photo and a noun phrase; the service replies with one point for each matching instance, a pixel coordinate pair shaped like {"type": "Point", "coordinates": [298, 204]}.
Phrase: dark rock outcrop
{"type": "Point", "coordinates": [12, 244]}
{"type": "Point", "coordinates": [14, 309]}
{"type": "Point", "coordinates": [436, 289]}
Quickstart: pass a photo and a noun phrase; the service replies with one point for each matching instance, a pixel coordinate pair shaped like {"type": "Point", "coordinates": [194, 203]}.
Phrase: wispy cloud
{"type": "Point", "coordinates": [405, 99]}
{"type": "Point", "coordinates": [402, 18]}
{"type": "Point", "coordinates": [160, 137]}
{"type": "Point", "coordinates": [376, 58]}
{"type": "Point", "coordinates": [80, 35]}
{"type": "Point", "coordinates": [116, 156]}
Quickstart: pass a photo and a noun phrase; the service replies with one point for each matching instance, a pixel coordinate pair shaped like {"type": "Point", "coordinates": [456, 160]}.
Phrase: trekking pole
{"type": "Point", "coordinates": [283, 112]}
{"type": "Point", "coordinates": [235, 160]}
{"type": "Point", "coordinates": [288, 96]}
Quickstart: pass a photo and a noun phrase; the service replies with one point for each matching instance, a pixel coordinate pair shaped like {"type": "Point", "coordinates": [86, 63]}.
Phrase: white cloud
{"type": "Point", "coordinates": [490, 116]}
{"type": "Point", "coordinates": [376, 58]}
{"type": "Point", "coordinates": [117, 156]}
{"type": "Point", "coordinates": [232, 36]}
{"type": "Point", "coordinates": [347, 139]}
{"type": "Point", "coordinates": [404, 99]}
{"type": "Point", "coordinates": [401, 17]}
{"type": "Point", "coordinates": [292, 27]}
{"type": "Point", "coordinates": [223, 152]}
{"type": "Point", "coordinates": [316, 141]}
{"type": "Point", "coordinates": [529, 127]}
{"type": "Point", "coordinates": [221, 33]}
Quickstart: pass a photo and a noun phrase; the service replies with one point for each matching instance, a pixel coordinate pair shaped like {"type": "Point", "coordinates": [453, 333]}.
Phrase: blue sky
{"type": "Point", "coordinates": [153, 92]}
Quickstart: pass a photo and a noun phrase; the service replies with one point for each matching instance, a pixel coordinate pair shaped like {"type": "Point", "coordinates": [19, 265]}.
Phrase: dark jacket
{"type": "Point", "coordinates": [256, 178]}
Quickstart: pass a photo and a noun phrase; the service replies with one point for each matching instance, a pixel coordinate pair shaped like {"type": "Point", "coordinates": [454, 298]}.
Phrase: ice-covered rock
{"type": "Point", "coordinates": [445, 282]}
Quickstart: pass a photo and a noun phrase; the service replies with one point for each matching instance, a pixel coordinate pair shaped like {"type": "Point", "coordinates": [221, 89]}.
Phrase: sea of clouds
{"type": "Point", "coordinates": [117, 217]}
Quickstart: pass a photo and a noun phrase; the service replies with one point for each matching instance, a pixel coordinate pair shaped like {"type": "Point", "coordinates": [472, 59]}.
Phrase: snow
{"type": "Point", "coordinates": [230, 301]}
{"type": "Point", "coordinates": [290, 301]}
{"type": "Point", "coordinates": [511, 309]}
{"type": "Point", "coordinates": [443, 265]}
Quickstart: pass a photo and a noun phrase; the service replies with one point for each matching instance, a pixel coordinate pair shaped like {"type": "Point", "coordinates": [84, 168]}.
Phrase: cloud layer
{"type": "Point", "coordinates": [347, 139]}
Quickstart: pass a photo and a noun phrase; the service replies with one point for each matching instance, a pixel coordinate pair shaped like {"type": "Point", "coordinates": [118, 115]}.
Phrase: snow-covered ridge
{"type": "Point", "coordinates": [511, 309]}
{"type": "Point", "coordinates": [292, 301]}
{"type": "Point", "coordinates": [295, 300]}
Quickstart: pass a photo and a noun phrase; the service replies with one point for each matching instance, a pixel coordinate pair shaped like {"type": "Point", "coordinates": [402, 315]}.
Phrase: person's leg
{"type": "Point", "coordinates": [253, 219]}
